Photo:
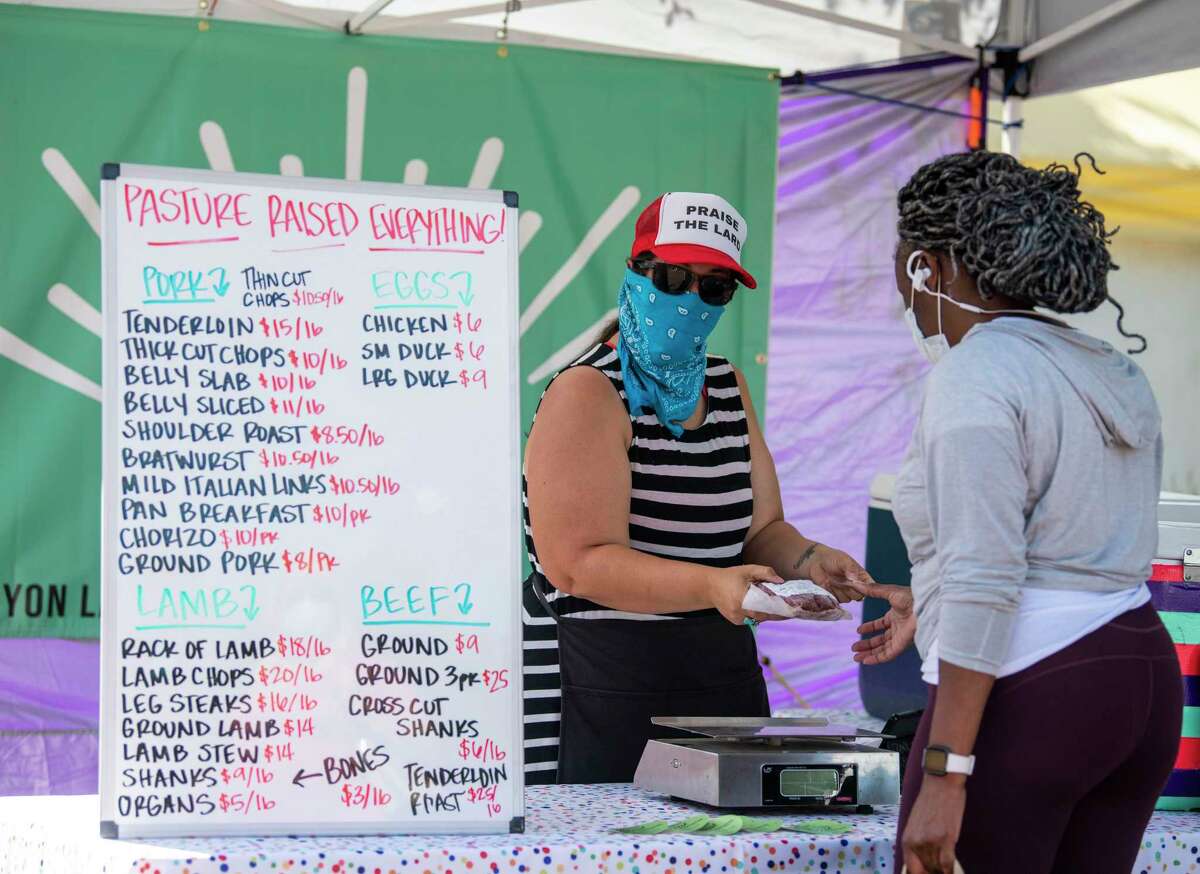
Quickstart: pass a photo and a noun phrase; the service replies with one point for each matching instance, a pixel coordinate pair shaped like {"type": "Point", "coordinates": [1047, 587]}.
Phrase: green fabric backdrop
{"type": "Point", "coordinates": [586, 139]}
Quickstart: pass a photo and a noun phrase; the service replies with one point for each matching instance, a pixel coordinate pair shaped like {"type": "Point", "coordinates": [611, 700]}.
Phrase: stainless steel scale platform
{"type": "Point", "coordinates": [752, 762]}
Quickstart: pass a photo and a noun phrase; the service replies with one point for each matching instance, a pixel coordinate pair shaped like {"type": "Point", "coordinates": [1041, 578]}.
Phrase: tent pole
{"type": "Point", "coordinates": [355, 24]}
{"type": "Point", "coordinates": [1017, 27]}
{"type": "Point", "coordinates": [1014, 113]}
{"type": "Point", "coordinates": [929, 42]}
{"type": "Point", "coordinates": [312, 17]}
{"type": "Point", "coordinates": [483, 33]}
{"type": "Point", "coordinates": [446, 15]}
{"type": "Point", "coordinates": [1077, 28]}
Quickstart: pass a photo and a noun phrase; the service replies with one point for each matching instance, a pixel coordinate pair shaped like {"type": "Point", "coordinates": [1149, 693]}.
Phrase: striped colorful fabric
{"type": "Point", "coordinates": [1184, 627]}
{"type": "Point", "coordinates": [1178, 603]}
{"type": "Point", "coordinates": [691, 499]}
{"type": "Point", "coordinates": [1189, 754]}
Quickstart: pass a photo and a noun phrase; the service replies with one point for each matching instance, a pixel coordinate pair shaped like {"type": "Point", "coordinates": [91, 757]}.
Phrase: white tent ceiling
{"type": "Point", "coordinates": [1143, 38]}
{"type": "Point", "coordinates": [748, 32]}
{"type": "Point", "coordinates": [1076, 42]}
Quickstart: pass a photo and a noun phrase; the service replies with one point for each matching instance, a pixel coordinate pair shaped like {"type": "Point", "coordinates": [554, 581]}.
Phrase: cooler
{"type": "Point", "coordinates": [894, 686]}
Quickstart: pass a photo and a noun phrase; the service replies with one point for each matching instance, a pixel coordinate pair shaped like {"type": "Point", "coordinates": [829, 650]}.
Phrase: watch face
{"type": "Point", "coordinates": [935, 761]}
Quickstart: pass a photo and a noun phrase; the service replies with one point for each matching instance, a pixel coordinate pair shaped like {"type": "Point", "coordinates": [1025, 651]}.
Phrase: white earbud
{"type": "Point", "coordinates": [918, 275]}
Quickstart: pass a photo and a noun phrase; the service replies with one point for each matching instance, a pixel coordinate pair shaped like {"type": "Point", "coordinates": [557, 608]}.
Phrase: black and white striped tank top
{"type": "Point", "coordinates": [691, 500]}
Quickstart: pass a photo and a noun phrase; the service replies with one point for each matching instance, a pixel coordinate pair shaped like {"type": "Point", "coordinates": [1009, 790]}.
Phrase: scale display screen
{"type": "Point", "coordinates": [802, 785]}
{"type": "Point", "coordinates": [810, 782]}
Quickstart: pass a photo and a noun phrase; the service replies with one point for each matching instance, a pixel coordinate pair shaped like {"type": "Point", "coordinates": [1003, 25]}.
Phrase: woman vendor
{"type": "Point", "coordinates": [652, 504]}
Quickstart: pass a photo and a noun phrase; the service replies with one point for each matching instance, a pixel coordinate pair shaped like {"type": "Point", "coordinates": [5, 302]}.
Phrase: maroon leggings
{"type": "Point", "coordinates": [1071, 756]}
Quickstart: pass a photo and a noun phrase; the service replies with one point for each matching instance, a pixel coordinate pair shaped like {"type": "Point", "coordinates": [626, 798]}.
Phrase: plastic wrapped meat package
{"type": "Point", "coordinates": [795, 599]}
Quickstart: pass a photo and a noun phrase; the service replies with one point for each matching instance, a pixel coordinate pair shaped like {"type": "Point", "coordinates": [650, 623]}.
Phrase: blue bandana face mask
{"type": "Point", "coordinates": [663, 348]}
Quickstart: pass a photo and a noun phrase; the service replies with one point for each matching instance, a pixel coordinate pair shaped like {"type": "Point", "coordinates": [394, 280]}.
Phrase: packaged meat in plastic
{"type": "Point", "coordinates": [796, 599]}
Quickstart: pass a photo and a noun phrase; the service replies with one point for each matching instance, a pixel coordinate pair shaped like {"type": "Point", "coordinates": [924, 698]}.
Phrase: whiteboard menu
{"type": "Point", "coordinates": [311, 501]}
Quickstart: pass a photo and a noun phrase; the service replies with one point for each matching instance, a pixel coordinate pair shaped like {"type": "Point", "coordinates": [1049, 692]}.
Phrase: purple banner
{"type": "Point", "coordinates": [844, 378]}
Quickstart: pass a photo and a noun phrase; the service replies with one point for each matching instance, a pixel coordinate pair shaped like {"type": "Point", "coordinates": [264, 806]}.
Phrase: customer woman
{"type": "Point", "coordinates": [652, 505]}
{"type": "Point", "coordinates": [1028, 506]}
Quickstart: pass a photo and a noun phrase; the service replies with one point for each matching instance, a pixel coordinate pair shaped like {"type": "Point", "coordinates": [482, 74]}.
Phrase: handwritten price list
{"type": "Point", "coordinates": [285, 649]}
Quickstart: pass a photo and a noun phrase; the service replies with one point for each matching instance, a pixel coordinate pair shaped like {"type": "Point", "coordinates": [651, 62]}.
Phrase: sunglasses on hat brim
{"type": "Point", "coordinates": [716, 289]}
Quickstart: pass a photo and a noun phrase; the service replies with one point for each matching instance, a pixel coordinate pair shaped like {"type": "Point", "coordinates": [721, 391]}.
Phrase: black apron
{"type": "Point", "coordinates": [618, 673]}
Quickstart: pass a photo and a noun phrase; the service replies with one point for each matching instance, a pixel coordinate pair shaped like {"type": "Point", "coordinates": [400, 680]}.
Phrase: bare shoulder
{"type": "Point", "coordinates": [743, 387]}
{"type": "Point", "coordinates": [582, 398]}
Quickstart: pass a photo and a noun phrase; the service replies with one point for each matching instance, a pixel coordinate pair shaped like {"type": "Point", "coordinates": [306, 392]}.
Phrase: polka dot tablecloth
{"type": "Point", "coordinates": [569, 832]}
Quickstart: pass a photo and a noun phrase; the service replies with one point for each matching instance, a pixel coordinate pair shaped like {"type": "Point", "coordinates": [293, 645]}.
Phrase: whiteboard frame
{"type": "Point", "coordinates": [109, 662]}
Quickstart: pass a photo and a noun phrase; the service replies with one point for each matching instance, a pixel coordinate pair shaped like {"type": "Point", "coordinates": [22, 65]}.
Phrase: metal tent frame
{"type": "Point", "coordinates": [1072, 43]}
{"type": "Point", "coordinates": [1017, 22]}
{"type": "Point", "coordinates": [1020, 49]}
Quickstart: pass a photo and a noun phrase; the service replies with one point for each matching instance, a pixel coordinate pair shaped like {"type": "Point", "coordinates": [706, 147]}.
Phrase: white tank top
{"type": "Point", "coordinates": [1050, 620]}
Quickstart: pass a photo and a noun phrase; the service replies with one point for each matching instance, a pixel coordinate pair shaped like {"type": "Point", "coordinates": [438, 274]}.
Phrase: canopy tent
{"type": "Point", "coordinates": [783, 35]}
{"type": "Point", "coordinates": [760, 33]}
{"type": "Point", "coordinates": [1078, 43]}
{"type": "Point", "coordinates": [1075, 43]}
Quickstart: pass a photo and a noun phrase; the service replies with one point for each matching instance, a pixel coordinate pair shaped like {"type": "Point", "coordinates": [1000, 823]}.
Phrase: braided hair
{"type": "Point", "coordinates": [1022, 233]}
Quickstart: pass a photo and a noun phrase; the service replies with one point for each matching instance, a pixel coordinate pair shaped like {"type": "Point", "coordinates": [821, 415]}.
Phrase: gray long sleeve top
{"type": "Point", "coordinates": [1036, 463]}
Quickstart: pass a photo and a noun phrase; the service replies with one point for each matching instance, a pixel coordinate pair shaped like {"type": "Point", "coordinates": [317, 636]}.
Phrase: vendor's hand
{"type": "Point", "coordinates": [728, 586]}
{"type": "Point", "coordinates": [835, 572]}
{"type": "Point", "coordinates": [933, 826]}
{"type": "Point", "coordinates": [898, 625]}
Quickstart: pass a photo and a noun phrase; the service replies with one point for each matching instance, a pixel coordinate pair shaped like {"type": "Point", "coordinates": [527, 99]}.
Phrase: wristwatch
{"type": "Point", "coordinates": [939, 761]}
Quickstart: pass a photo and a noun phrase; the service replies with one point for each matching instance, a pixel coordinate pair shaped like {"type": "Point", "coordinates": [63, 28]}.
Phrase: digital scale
{"type": "Point", "coordinates": [755, 762]}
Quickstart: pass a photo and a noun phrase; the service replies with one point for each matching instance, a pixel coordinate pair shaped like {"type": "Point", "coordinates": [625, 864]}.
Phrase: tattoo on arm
{"type": "Point", "coordinates": [806, 556]}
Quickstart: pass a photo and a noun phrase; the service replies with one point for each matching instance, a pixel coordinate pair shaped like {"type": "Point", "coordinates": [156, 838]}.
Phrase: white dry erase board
{"type": "Point", "coordinates": [310, 484]}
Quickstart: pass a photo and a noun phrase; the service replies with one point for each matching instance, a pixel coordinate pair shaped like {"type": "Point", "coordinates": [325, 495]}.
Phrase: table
{"type": "Point", "coordinates": [569, 832]}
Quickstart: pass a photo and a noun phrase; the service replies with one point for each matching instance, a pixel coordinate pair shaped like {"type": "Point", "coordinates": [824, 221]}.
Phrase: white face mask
{"type": "Point", "coordinates": [936, 346]}
{"type": "Point", "coordinates": [933, 348]}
